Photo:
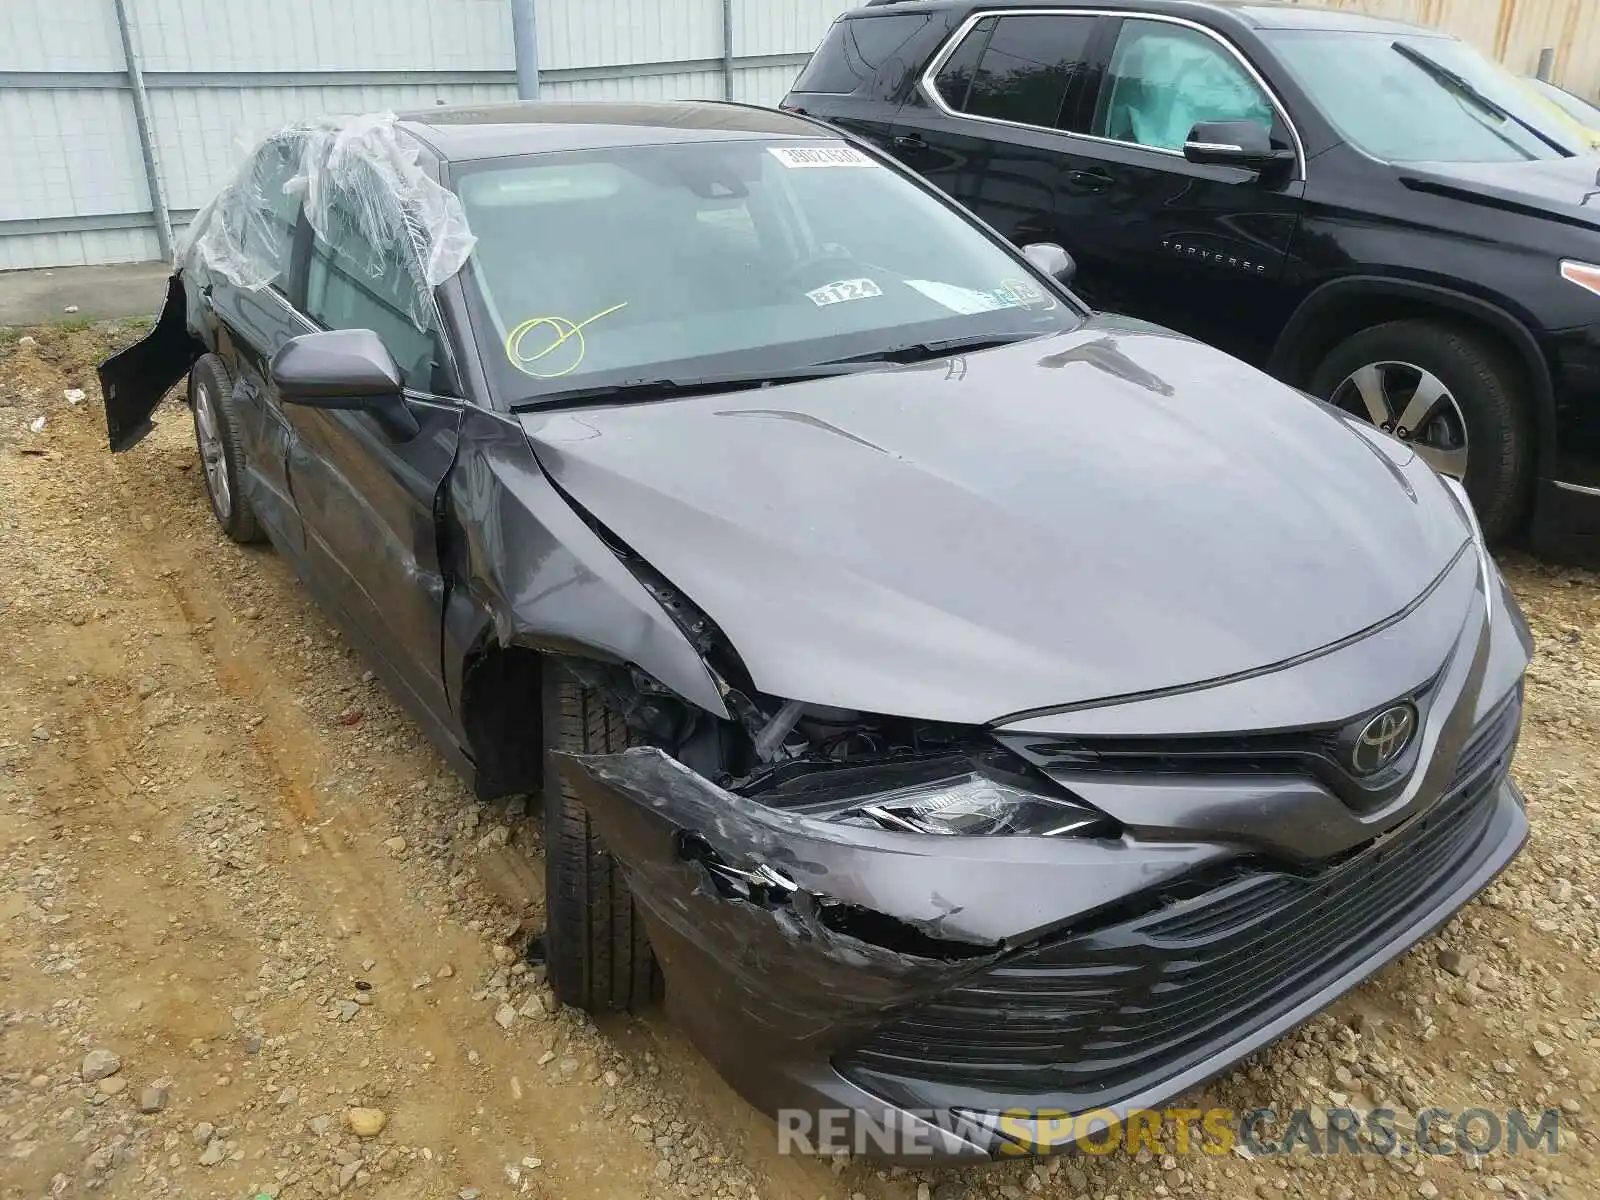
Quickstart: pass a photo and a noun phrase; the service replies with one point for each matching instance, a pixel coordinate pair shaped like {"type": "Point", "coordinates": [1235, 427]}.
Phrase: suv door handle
{"type": "Point", "coordinates": [1091, 181]}
{"type": "Point", "coordinates": [910, 141]}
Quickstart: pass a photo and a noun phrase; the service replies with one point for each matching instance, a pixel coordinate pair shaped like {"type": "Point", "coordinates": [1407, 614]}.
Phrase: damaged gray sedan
{"type": "Point", "coordinates": [972, 711]}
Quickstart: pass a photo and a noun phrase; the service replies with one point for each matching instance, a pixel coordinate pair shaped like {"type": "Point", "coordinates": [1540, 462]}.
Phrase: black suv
{"type": "Point", "coordinates": [1368, 210]}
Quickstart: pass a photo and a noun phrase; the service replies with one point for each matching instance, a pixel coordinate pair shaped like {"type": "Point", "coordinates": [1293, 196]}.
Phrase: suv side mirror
{"type": "Point", "coordinates": [348, 369]}
{"type": "Point", "coordinates": [1233, 144]}
{"type": "Point", "coordinates": [1051, 259]}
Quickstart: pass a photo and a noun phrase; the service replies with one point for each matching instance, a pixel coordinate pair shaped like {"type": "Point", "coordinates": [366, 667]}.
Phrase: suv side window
{"type": "Point", "coordinates": [1166, 78]}
{"type": "Point", "coordinates": [1016, 69]}
{"type": "Point", "coordinates": [854, 50]}
{"type": "Point", "coordinates": [954, 80]}
{"type": "Point", "coordinates": [352, 284]}
{"type": "Point", "coordinates": [272, 214]}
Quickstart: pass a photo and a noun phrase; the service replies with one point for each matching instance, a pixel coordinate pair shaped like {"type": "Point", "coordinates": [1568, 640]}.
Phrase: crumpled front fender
{"type": "Point", "coordinates": [133, 381]}
{"type": "Point", "coordinates": [769, 987]}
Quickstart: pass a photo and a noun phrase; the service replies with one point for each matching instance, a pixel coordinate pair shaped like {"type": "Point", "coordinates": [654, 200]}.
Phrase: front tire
{"type": "Point", "coordinates": [216, 433]}
{"type": "Point", "coordinates": [1450, 392]}
{"type": "Point", "coordinates": [597, 954]}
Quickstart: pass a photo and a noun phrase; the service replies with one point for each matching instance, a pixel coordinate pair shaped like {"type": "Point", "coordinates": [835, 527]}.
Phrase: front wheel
{"type": "Point", "coordinates": [597, 954]}
{"type": "Point", "coordinates": [1450, 393]}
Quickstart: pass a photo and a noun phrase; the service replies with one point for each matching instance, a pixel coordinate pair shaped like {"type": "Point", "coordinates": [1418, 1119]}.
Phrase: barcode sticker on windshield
{"type": "Point", "coordinates": [819, 156]}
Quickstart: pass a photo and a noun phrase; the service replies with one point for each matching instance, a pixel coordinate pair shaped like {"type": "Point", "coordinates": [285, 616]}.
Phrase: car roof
{"type": "Point", "coordinates": [1299, 16]}
{"type": "Point", "coordinates": [1259, 14]}
{"type": "Point", "coordinates": [530, 127]}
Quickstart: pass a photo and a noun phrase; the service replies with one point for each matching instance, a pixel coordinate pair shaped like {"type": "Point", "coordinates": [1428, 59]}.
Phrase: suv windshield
{"type": "Point", "coordinates": [1419, 98]}
{"type": "Point", "coordinates": [719, 258]}
{"type": "Point", "coordinates": [1575, 107]}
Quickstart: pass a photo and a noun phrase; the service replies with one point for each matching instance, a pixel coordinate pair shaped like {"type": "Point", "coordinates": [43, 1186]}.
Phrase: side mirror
{"type": "Point", "coordinates": [348, 369]}
{"type": "Point", "coordinates": [1051, 259]}
{"type": "Point", "coordinates": [1233, 144]}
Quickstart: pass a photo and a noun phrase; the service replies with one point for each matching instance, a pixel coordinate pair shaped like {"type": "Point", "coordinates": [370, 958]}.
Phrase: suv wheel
{"type": "Point", "coordinates": [596, 951]}
{"type": "Point", "coordinates": [216, 433]}
{"type": "Point", "coordinates": [1451, 395]}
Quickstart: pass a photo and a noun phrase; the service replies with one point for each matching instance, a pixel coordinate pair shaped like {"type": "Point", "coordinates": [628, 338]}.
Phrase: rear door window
{"type": "Point", "coordinates": [271, 213]}
{"type": "Point", "coordinates": [854, 50]}
{"type": "Point", "coordinates": [954, 80]}
{"type": "Point", "coordinates": [1018, 69]}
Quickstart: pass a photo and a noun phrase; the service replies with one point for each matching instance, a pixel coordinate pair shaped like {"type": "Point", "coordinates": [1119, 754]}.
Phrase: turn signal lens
{"type": "Point", "coordinates": [1585, 275]}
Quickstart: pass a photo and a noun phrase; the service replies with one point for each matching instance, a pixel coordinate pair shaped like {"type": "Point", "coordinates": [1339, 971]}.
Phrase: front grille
{"type": "Point", "coordinates": [1319, 752]}
{"type": "Point", "coordinates": [1091, 1017]}
{"type": "Point", "coordinates": [1314, 749]}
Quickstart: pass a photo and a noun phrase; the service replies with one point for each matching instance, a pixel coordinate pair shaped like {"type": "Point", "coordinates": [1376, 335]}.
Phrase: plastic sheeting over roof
{"type": "Point", "coordinates": [360, 184]}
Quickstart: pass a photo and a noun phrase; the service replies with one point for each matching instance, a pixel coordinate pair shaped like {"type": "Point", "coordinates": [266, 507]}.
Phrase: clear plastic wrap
{"type": "Point", "coordinates": [361, 187]}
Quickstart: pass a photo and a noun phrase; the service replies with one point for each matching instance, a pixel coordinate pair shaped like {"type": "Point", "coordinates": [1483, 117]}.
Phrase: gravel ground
{"type": "Point", "coordinates": [256, 940]}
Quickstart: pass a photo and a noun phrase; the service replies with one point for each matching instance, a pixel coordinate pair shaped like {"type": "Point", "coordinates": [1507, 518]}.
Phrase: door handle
{"type": "Point", "coordinates": [910, 141]}
{"type": "Point", "coordinates": [1091, 181]}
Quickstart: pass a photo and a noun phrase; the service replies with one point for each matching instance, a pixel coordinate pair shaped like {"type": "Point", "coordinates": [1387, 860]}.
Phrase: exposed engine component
{"type": "Point", "coordinates": [921, 776]}
{"type": "Point", "coordinates": [774, 733]}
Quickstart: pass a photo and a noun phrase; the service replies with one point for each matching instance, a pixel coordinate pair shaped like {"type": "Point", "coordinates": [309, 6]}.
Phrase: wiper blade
{"type": "Point", "coordinates": [918, 351]}
{"type": "Point", "coordinates": [1463, 85]}
{"type": "Point", "coordinates": [662, 389]}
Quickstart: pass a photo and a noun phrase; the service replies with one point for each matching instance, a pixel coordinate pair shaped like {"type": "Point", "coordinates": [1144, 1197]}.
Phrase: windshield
{"type": "Point", "coordinates": [1576, 107]}
{"type": "Point", "coordinates": [600, 268]}
{"type": "Point", "coordinates": [1422, 98]}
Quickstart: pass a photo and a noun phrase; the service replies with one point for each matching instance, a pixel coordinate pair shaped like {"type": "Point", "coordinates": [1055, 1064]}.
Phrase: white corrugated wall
{"type": "Point", "coordinates": [72, 179]}
{"type": "Point", "coordinates": [220, 71]}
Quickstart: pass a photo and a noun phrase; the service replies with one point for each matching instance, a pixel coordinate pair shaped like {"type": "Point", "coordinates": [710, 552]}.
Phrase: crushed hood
{"type": "Point", "coordinates": [1101, 513]}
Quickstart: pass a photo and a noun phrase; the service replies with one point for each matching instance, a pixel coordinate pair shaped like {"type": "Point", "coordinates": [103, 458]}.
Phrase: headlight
{"type": "Point", "coordinates": [1585, 275]}
{"type": "Point", "coordinates": [905, 776]}
{"type": "Point", "coordinates": [977, 806]}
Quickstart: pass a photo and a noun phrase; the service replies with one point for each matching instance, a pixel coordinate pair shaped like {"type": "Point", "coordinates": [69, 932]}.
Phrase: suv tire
{"type": "Point", "coordinates": [1482, 380]}
{"type": "Point", "coordinates": [597, 954]}
{"type": "Point", "coordinates": [216, 433]}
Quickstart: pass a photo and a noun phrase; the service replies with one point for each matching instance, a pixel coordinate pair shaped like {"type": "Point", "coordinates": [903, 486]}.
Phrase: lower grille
{"type": "Point", "coordinates": [1088, 1018]}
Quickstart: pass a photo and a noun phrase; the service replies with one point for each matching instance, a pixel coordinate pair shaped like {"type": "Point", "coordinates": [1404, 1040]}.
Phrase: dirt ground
{"type": "Point", "coordinates": [242, 901]}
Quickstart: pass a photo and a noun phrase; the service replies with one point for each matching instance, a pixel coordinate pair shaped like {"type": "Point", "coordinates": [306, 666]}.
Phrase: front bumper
{"type": "Point", "coordinates": [1145, 1009]}
{"type": "Point", "coordinates": [913, 998]}
{"type": "Point", "coordinates": [922, 1038]}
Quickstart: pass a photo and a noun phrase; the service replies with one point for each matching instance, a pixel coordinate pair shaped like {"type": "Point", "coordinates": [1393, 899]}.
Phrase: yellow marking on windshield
{"type": "Point", "coordinates": [565, 331]}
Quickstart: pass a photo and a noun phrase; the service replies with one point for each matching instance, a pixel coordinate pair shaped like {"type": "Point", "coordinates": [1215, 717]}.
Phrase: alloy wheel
{"type": "Point", "coordinates": [1412, 404]}
{"type": "Point", "coordinates": [207, 426]}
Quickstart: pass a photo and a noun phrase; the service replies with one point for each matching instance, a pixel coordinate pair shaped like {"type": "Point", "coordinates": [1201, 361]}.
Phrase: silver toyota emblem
{"type": "Point", "coordinates": [1383, 739]}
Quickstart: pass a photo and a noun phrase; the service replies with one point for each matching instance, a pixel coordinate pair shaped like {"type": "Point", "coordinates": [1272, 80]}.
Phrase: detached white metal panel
{"type": "Point", "coordinates": [220, 73]}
